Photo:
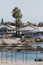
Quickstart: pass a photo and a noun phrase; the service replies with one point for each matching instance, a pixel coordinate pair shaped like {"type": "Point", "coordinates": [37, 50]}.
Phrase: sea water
{"type": "Point", "coordinates": [23, 56]}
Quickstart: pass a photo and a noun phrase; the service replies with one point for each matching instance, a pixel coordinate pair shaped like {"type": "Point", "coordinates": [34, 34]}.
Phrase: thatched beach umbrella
{"type": "Point", "coordinates": [9, 49]}
{"type": "Point", "coordinates": [1, 48]}
{"type": "Point", "coordinates": [37, 48]}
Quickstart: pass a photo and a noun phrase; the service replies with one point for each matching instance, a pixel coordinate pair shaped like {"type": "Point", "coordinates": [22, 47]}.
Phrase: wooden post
{"type": "Point", "coordinates": [23, 56]}
{"type": "Point", "coordinates": [15, 56]}
{"type": "Point", "coordinates": [6, 56]}
{"type": "Point", "coordinates": [11, 55]}
{"type": "Point", "coordinates": [1, 56]}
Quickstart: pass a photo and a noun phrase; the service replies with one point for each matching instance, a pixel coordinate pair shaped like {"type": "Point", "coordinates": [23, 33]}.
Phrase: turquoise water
{"type": "Point", "coordinates": [38, 44]}
{"type": "Point", "coordinates": [26, 56]}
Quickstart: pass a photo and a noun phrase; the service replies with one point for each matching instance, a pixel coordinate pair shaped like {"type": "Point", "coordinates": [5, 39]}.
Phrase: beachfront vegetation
{"type": "Point", "coordinates": [16, 13]}
{"type": "Point", "coordinates": [40, 24]}
{"type": "Point", "coordinates": [2, 22]}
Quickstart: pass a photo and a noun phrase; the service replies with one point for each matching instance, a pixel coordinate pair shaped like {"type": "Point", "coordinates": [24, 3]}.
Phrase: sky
{"type": "Point", "coordinates": [32, 10]}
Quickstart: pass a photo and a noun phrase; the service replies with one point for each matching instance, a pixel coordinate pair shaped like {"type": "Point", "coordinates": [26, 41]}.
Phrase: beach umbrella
{"type": "Point", "coordinates": [37, 48]}
{"type": "Point", "coordinates": [9, 49]}
{"type": "Point", "coordinates": [2, 48]}
{"type": "Point", "coordinates": [12, 49]}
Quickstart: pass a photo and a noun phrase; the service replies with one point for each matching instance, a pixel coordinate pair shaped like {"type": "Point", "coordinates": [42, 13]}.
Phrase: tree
{"type": "Point", "coordinates": [40, 24]}
{"type": "Point", "coordinates": [16, 13]}
{"type": "Point", "coordinates": [2, 21]}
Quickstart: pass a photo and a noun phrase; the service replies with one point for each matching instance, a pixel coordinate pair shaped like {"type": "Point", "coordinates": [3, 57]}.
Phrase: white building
{"type": "Point", "coordinates": [9, 28]}
{"type": "Point", "coordinates": [32, 31]}
{"type": "Point", "coordinates": [29, 31]}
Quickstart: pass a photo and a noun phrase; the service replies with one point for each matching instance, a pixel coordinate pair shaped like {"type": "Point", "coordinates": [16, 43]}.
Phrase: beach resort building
{"type": "Point", "coordinates": [27, 31]}
{"type": "Point", "coordinates": [7, 29]}
{"type": "Point", "coordinates": [32, 31]}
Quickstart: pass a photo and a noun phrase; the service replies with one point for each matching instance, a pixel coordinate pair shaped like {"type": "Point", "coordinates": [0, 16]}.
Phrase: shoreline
{"type": "Point", "coordinates": [20, 62]}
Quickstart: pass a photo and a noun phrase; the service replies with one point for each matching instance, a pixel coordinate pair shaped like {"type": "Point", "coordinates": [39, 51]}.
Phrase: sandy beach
{"type": "Point", "coordinates": [10, 62]}
{"type": "Point", "coordinates": [20, 63]}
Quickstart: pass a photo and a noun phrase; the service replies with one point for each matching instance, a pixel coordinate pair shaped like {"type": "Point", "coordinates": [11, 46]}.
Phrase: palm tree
{"type": "Point", "coordinates": [16, 13]}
